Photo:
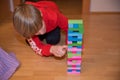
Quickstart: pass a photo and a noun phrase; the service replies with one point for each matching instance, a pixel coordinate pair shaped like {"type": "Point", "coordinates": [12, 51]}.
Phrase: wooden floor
{"type": "Point", "coordinates": [100, 59]}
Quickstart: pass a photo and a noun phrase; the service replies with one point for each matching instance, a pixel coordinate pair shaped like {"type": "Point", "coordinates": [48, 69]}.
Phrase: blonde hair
{"type": "Point", "coordinates": [27, 20]}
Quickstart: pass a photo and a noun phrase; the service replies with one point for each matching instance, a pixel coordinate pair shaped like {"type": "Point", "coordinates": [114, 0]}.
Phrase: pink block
{"type": "Point", "coordinates": [74, 68]}
{"type": "Point", "coordinates": [74, 49]}
{"type": "Point", "coordinates": [69, 42]}
{"type": "Point", "coordinates": [74, 52]}
{"type": "Point", "coordinates": [73, 72]}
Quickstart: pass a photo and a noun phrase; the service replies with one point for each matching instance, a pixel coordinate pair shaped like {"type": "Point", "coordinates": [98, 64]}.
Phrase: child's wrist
{"type": "Point", "coordinates": [51, 50]}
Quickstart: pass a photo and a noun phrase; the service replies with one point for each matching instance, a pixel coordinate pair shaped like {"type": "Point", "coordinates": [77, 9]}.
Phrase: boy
{"type": "Point", "coordinates": [41, 20]}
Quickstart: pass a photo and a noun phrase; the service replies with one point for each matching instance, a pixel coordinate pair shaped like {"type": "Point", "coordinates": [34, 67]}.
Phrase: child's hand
{"type": "Point", "coordinates": [58, 50]}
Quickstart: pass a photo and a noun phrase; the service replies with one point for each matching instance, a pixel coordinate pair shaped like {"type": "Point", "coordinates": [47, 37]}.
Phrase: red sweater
{"type": "Point", "coordinates": [52, 18]}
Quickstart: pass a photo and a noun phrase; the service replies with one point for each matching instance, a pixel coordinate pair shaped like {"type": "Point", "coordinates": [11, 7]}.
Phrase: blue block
{"type": "Point", "coordinates": [79, 46]}
{"type": "Point", "coordinates": [75, 31]}
{"type": "Point", "coordinates": [75, 46]}
{"type": "Point", "coordinates": [77, 70]}
{"type": "Point", "coordinates": [74, 39]}
{"type": "Point", "coordinates": [75, 34]}
{"type": "Point", "coordinates": [69, 70]}
{"type": "Point", "coordinates": [75, 25]}
{"type": "Point", "coordinates": [70, 25]}
{"type": "Point", "coordinates": [78, 66]}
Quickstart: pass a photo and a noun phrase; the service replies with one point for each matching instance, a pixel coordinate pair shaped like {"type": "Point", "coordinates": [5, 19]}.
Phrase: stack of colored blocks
{"type": "Point", "coordinates": [75, 37]}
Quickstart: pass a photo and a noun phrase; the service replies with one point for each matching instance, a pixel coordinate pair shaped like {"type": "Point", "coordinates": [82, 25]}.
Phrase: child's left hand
{"type": "Point", "coordinates": [58, 50]}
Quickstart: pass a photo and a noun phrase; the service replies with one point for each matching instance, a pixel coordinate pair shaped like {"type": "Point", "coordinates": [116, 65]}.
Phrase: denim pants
{"type": "Point", "coordinates": [52, 37]}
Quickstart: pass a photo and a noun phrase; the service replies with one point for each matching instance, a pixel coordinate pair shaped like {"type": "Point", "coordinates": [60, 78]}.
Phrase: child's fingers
{"type": "Point", "coordinates": [63, 50]}
{"type": "Point", "coordinates": [60, 51]}
{"type": "Point", "coordinates": [65, 46]}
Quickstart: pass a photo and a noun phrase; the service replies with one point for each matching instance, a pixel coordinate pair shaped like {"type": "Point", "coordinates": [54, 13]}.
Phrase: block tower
{"type": "Point", "coordinates": [75, 36]}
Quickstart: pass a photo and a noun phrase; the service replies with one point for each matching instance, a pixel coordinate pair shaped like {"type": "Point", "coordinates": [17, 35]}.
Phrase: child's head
{"type": "Point", "coordinates": [27, 20]}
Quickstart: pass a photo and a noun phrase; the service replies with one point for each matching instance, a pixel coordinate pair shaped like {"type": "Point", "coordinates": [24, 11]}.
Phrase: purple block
{"type": "Point", "coordinates": [8, 64]}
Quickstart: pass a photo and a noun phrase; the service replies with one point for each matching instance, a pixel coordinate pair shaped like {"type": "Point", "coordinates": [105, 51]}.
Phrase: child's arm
{"type": "Point", "coordinates": [46, 49]}
{"type": "Point", "coordinates": [39, 47]}
{"type": "Point", "coordinates": [63, 22]}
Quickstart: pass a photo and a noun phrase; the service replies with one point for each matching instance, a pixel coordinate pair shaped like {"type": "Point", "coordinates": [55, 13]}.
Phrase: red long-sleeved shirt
{"type": "Point", "coordinates": [52, 18]}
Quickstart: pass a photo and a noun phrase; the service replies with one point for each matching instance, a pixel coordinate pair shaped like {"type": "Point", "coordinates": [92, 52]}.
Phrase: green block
{"type": "Point", "coordinates": [75, 21]}
{"type": "Point", "coordinates": [71, 55]}
{"type": "Point", "coordinates": [80, 28]}
{"type": "Point", "coordinates": [75, 44]}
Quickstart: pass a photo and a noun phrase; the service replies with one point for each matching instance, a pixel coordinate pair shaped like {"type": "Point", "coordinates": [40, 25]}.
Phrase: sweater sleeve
{"type": "Point", "coordinates": [39, 47]}
{"type": "Point", "coordinates": [63, 24]}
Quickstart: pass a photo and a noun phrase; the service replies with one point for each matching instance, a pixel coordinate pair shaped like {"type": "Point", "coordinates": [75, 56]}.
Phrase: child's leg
{"type": "Point", "coordinates": [53, 37]}
{"type": "Point", "coordinates": [41, 37]}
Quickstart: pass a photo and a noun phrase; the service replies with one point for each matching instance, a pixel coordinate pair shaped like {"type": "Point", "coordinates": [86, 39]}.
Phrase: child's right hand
{"type": "Point", "coordinates": [58, 50]}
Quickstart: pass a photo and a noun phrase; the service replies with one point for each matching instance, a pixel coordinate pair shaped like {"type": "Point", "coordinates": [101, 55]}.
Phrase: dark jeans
{"type": "Point", "coordinates": [52, 37]}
